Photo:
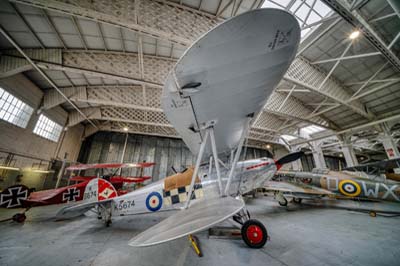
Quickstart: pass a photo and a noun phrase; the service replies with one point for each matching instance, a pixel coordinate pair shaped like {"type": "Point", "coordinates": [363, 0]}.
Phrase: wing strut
{"type": "Point", "coordinates": [215, 155]}
{"type": "Point", "coordinates": [237, 156]}
{"type": "Point", "coordinates": [209, 132]}
{"type": "Point", "coordinates": [196, 168]}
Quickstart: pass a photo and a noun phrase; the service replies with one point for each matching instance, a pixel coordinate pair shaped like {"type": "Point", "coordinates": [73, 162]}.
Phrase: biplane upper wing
{"type": "Point", "coordinates": [294, 189]}
{"type": "Point", "coordinates": [227, 76]}
{"type": "Point", "coordinates": [108, 165]}
{"type": "Point", "coordinates": [200, 216]}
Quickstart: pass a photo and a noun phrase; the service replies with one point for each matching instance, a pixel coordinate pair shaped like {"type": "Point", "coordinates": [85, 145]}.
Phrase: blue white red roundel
{"type": "Point", "coordinates": [154, 201]}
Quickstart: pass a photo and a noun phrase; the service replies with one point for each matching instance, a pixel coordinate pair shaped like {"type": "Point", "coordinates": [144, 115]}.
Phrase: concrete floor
{"type": "Point", "coordinates": [299, 236]}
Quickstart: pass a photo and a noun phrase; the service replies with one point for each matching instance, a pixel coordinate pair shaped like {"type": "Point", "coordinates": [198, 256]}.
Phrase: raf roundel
{"type": "Point", "coordinates": [349, 188]}
{"type": "Point", "coordinates": [154, 201]}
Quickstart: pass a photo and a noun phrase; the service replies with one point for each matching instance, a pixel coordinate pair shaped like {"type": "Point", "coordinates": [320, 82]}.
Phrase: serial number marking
{"type": "Point", "coordinates": [124, 204]}
{"type": "Point", "coordinates": [89, 195]}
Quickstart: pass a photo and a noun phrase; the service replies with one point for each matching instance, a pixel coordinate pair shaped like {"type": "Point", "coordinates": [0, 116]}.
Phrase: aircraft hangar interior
{"type": "Point", "coordinates": [199, 132]}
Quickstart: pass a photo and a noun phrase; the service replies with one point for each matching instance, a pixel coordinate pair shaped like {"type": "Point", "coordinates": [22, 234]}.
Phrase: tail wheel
{"type": "Point", "coordinates": [372, 214]}
{"type": "Point", "coordinates": [254, 233]}
{"type": "Point", "coordinates": [19, 217]}
{"type": "Point", "coordinates": [283, 202]}
{"type": "Point", "coordinates": [297, 200]}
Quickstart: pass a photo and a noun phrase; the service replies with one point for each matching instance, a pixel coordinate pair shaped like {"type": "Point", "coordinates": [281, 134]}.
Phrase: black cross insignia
{"type": "Point", "coordinates": [12, 197]}
{"type": "Point", "coordinates": [71, 194]}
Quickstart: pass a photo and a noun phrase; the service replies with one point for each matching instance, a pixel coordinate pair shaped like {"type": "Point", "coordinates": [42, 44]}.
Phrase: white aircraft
{"type": "Point", "coordinates": [214, 92]}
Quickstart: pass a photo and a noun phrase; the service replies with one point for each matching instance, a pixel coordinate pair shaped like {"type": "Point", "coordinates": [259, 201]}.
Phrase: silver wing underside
{"type": "Point", "coordinates": [200, 216]}
{"type": "Point", "coordinates": [229, 74]}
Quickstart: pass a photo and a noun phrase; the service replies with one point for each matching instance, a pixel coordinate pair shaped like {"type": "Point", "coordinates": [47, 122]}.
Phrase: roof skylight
{"type": "Point", "coordinates": [307, 12]}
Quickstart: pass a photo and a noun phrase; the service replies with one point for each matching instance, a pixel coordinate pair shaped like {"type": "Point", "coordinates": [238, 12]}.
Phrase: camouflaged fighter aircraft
{"type": "Point", "coordinates": [333, 184]}
{"type": "Point", "coordinates": [215, 91]}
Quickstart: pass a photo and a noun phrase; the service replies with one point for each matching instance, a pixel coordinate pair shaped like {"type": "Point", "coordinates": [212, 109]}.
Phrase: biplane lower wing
{"type": "Point", "coordinates": [200, 216]}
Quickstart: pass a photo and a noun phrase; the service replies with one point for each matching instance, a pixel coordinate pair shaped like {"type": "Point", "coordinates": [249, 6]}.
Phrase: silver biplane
{"type": "Point", "coordinates": [211, 96]}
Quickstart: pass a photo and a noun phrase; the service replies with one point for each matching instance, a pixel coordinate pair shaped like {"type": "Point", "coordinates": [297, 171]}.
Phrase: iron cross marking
{"type": "Point", "coordinates": [13, 196]}
{"type": "Point", "coordinates": [71, 195]}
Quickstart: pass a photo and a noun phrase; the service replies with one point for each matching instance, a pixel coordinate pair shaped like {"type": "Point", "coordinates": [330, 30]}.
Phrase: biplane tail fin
{"type": "Point", "coordinates": [291, 157]}
{"type": "Point", "coordinates": [98, 191]}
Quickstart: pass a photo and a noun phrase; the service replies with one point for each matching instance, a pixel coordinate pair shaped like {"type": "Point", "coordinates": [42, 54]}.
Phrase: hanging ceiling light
{"type": "Point", "coordinates": [354, 35]}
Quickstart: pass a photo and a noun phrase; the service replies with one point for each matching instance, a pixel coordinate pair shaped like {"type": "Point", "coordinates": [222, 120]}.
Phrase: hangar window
{"type": "Point", "coordinates": [47, 128]}
{"type": "Point", "coordinates": [309, 130]}
{"type": "Point", "coordinates": [14, 110]}
{"type": "Point", "coordinates": [288, 137]}
{"type": "Point", "coordinates": [309, 13]}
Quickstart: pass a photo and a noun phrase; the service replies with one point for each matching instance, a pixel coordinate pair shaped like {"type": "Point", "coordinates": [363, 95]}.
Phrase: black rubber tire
{"type": "Point", "coordinates": [108, 223]}
{"type": "Point", "coordinates": [297, 200]}
{"type": "Point", "coordinates": [257, 223]}
{"type": "Point", "coordinates": [19, 217]}
{"type": "Point", "coordinates": [372, 213]}
{"type": "Point", "coordinates": [284, 203]}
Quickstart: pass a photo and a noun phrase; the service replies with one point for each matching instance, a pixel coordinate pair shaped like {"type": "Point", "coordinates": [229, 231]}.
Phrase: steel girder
{"type": "Point", "coordinates": [125, 67]}
{"type": "Point", "coordinates": [160, 19]}
{"type": "Point", "coordinates": [144, 91]}
{"type": "Point", "coordinates": [304, 74]}
{"type": "Point", "coordinates": [351, 15]}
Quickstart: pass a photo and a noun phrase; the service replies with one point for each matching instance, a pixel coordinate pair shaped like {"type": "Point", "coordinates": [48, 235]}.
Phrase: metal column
{"type": "Point", "coordinates": [318, 155]}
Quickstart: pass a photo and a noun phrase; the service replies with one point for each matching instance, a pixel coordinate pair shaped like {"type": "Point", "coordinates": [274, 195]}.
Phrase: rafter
{"type": "Point", "coordinates": [175, 29]}
{"type": "Point", "coordinates": [305, 75]}
{"type": "Point", "coordinates": [353, 16]}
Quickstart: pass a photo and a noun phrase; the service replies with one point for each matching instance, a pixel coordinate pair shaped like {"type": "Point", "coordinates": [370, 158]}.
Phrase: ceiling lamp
{"type": "Point", "coordinates": [125, 129]}
{"type": "Point", "coordinates": [354, 35]}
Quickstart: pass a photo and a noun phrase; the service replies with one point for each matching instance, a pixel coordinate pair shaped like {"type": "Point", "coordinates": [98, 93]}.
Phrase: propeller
{"type": "Point", "coordinates": [291, 157]}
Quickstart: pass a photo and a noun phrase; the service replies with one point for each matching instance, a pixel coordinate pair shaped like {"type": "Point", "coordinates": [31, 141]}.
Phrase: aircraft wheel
{"type": "Point", "coordinates": [372, 214]}
{"type": "Point", "coordinates": [108, 223]}
{"type": "Point", "coordinates": [19, 217]}
{"type": "Point", "coordinates": [283, 202]}
{"type": "Point", "coordinates": [254, 233]}
{"type": "Point", "coordinates": [297, 200]}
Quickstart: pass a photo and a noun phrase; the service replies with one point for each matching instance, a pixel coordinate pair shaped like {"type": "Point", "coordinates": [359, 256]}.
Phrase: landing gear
{"type": "Point", "coordinates": [283, 202]}
{"type": "Point", "coordinates": [254, 233]}
{"type": "Point", "coordinates": [108, 223]}
{"type": "Point", "coordinates": [104, 212]}
{"type": "Point", "coordinates": [19, 217]}
{"type": "Point", "coordinates": [281, 199]}
{"type": "Point", "coordinates": [297, 200]}
{"type": "Point", "coordinates": [372, 214]}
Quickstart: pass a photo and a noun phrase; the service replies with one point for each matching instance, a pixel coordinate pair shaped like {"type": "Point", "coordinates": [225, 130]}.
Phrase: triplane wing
{"type": "Point", "coordinates": [200, 216]}
{"type": "Point", "coordinates": [113, 179]}
{"type": "Point", "coordinates": [108, 165]}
